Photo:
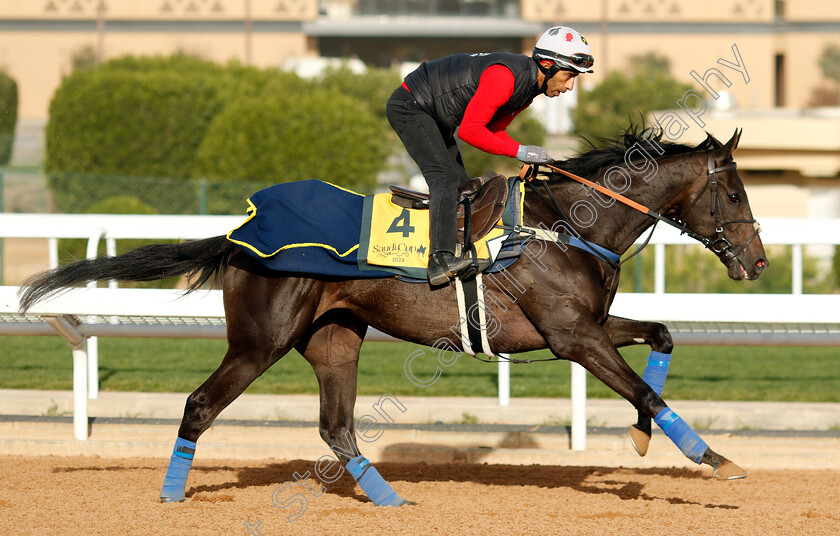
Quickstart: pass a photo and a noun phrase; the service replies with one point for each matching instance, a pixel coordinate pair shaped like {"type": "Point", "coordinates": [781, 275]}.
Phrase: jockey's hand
{"type": "Point", "coordinates": [533, 154]}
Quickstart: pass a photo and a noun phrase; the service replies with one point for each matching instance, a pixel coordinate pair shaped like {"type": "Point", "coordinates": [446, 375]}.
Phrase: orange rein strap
{"type": "Point", "coordinates": [606, 191]}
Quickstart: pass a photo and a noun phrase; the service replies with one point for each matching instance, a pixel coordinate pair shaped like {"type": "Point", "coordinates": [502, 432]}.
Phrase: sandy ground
{"type": "Point", "coordinates": [55, 495]}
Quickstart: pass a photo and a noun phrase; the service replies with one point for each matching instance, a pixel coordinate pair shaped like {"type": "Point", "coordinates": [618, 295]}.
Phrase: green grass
{"type": "Point", "coordinates": [181, 365]}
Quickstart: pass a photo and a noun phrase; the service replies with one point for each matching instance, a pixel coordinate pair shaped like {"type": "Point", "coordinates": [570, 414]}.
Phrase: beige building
{"type": "Point", "coordinates": [753, 63]}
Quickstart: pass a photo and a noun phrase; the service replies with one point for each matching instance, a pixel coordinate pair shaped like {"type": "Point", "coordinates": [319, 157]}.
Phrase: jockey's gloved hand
{"type": "Point", "coordinates": [533, 154]}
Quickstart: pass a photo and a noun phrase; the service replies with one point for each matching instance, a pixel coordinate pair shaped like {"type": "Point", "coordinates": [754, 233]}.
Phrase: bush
{"type": "Point", "coordinates": [281, 137]}
{"type": "Point", "coordinates": [125, 119]}
{"type": "Point", "coordinates": [829, 62]}
{"type": "Point", "coordinates": [105, 121]}
{"type": "Point", "coordinates": [232, 81]}
{"type": "Point", "coordinates": [8, 116]}
{"type": "Point", "coordinates": [373, 87]}
{"type": "Point", "coordinates": [129, 120]}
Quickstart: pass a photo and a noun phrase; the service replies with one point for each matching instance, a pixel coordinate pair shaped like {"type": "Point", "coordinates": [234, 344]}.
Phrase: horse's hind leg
{"type": "Point", "coordinates": [260, 332]}
{"type": "Point", "coordinates": [333, 351]}
{"type": "Point", "coordinates": [239, 368]}
{"type": "Point", "coordinates": [626, 332]}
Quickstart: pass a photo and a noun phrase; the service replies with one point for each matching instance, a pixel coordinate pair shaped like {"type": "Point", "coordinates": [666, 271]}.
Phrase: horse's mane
{"type": "Point", "coordinates": [613, 152]}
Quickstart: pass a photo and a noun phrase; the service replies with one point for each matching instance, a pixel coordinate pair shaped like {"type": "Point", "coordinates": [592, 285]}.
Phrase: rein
{"type": "Point", "coordinates": [718, 245]}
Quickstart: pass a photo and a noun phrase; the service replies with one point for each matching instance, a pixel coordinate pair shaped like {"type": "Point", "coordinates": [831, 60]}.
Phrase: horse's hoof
{"type": "Point", "coordinates": [408, 503]}
{"type": "Point", "coordinates": [639, 440]}
{"type": "Point", "coordinates": [729, 471]}
{"type": "Point", "coordinates": [171, 499]}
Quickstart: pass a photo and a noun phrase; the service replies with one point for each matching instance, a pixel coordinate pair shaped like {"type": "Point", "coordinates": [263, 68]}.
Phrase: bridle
{"type": "Point", "coordinates": [719, 244]}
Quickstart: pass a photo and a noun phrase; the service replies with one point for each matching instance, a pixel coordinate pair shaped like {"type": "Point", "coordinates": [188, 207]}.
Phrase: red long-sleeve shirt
{"type": "Point", "coordinates": [478, 128]}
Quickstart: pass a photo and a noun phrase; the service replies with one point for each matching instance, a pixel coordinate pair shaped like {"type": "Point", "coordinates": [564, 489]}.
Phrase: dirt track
{"type": "Point", "coordinates": [54, 495]}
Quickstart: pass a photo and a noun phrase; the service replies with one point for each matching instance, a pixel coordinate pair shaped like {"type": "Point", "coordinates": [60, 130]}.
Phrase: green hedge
{"type": "Point", "coordinates": [184, 118]}
{"type": "Point", "coordinates": [8, 116]}
{"type": "Point", "coordinates": [145, 124]}
{"type": "Point", "coordinates": [295, 136]}
{"type": "Point", "coordinates": [115, 128]}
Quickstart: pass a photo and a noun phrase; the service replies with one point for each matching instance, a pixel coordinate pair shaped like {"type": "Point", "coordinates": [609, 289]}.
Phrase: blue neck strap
{"type": "Point", "coordinates": [576, 242]}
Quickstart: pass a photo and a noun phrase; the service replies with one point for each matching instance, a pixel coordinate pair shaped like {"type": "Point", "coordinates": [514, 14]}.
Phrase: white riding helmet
{"type": "Point", "coordinates": [566, 48]}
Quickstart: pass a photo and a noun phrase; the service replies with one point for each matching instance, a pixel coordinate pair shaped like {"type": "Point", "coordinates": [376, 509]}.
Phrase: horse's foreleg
{"type": "Point", "coordinates": [626, 332]}
{"type": "Point", "coordinates": [333, 352]}
{"type": "Point", "coordinates": [589, 345]}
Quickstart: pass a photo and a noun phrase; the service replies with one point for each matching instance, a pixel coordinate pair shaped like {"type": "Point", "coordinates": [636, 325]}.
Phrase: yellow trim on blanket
{"type": "Point", "coordinates": [293, 246]}
{"type": "Point", "coordinates": [345, 189]}
{"type": "Point", "coordinates": [251, 211]}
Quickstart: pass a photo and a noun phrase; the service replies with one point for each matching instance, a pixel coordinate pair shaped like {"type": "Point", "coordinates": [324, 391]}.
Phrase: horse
{"type": "Point", "coordinates": [555, 297]}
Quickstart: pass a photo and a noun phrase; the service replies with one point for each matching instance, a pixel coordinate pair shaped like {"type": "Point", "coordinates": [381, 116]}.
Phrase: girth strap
{"type": "Point", "coordinates": [472, 315]}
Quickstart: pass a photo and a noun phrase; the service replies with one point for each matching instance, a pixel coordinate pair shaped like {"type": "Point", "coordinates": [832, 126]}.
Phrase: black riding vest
{"type": "Point", "coordinates": [444, 87]}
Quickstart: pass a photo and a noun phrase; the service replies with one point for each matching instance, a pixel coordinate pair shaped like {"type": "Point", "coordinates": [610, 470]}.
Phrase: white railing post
{"type": "Point", "coordinates": [67, 329]}
{"type": "Point", "coordinates": [93, 367]}
{"type": "Point", "coordinates": [504, 380]}
{"type": "Point", "coordinates": [52, 246]}
{"type": "Point", "coordinates": [92, 343]}
{"type": "Point", "coordinates": [796, 272]}
{"type": "Point", "coordinates": [111, 251]}
{"type": "Point", "coordinates": [659, 269]}
{"type": "Point", "coordinates": [578, 407]}
{"type": "Point", "coordinates": [80, 382]}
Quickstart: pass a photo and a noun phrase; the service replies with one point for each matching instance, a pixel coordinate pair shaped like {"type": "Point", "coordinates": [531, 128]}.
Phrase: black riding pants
{"type": "Point", "coordinates": [433, 148]}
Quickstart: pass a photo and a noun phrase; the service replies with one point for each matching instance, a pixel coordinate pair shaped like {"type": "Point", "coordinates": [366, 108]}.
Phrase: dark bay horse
{"type": "Point", "coordinates": [558, 298]}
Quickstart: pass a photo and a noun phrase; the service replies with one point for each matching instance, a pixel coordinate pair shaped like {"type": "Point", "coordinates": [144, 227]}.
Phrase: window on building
{"type": "Point", "coordinates": [779, 85]}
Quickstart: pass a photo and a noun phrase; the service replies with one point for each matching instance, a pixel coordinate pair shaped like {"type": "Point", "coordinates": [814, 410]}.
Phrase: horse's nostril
{"type": "Point", "coordinates": [761, 264]}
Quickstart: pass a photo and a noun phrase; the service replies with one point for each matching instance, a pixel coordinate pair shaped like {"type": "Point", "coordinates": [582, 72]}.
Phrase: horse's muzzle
{"type": "Point", "coordinates": [739, 271]}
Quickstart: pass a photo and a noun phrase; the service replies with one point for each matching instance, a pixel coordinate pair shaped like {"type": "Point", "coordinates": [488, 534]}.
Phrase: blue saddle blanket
{"type": "Point", "coordinates": [309, 227]}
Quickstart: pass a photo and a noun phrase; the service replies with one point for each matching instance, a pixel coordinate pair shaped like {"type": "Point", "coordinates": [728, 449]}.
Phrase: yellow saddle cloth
{"type": "Point", "coordinates": [396, 238]}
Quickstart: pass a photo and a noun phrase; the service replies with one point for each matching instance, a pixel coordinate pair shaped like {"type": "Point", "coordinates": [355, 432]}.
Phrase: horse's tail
{"type": "Point", "coordinates": [201, 258]}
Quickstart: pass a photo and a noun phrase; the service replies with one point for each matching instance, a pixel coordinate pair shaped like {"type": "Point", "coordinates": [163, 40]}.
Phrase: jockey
{"type": "Point", "coordinates": [481, 94]}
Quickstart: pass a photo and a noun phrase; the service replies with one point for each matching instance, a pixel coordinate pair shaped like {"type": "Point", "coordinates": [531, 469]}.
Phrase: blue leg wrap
{"type": "Point", "coordinates": [372, 483]}
{"type": "Point", "coordinates": [656, 371]}
{"type": "Point", "coordinates": [179, 467]}
{"type": "Point", "coordinates": [681, 434]}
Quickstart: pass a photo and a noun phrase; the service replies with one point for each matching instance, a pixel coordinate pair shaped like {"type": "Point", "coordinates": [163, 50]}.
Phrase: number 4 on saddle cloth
{"type": "Point", "coordinates": [313, 227]}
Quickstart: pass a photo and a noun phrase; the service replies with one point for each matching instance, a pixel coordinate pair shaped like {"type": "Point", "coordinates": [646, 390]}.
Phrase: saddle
{"type": "Point", "coordinates": [485, 197]}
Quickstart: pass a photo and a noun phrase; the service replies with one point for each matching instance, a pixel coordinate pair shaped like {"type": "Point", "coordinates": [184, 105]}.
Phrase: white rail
{"type": "Point", "coordinates": [82, 315]}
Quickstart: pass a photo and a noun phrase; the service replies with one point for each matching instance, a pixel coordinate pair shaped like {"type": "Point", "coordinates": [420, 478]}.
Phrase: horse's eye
{"type": "Point", "coordinates": [735, 198]}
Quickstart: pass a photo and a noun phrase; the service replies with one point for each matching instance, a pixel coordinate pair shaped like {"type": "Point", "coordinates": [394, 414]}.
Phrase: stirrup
{"type": "Point", "coordinates": [442, 269]}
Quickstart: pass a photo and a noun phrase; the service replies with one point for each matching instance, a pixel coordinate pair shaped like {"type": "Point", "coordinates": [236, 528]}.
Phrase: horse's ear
{"type": "Point", "coordinates": [711, 142]}
{"type": "Point", "coordinates": [732, 144]}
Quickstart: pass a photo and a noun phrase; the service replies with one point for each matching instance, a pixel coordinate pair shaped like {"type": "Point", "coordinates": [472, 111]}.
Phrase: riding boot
{"type": "Point", "coordinates": [444, 265]}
